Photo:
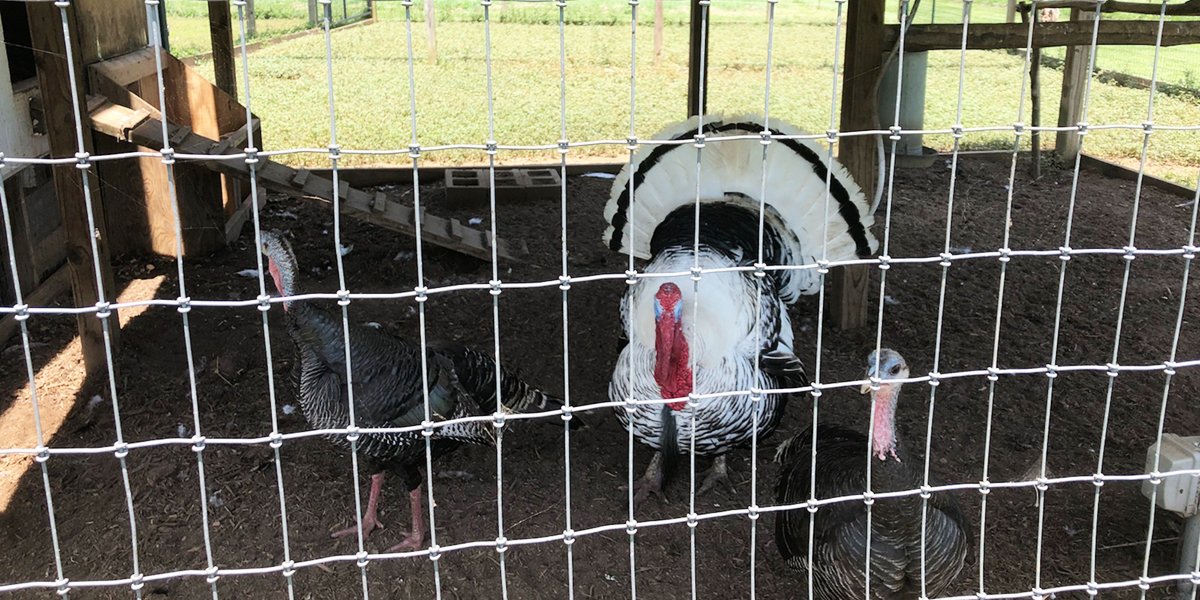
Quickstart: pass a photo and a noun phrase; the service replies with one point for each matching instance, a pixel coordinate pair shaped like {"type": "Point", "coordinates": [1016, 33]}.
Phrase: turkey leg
{"type": "Point", "coordinates": [651, 483]}
{"type": "Point", "coordinates": [412, 542]}
{"type": "Point", "coordinates": [718, 474]}
{"type": "Point", "coordinates": [370, 520]}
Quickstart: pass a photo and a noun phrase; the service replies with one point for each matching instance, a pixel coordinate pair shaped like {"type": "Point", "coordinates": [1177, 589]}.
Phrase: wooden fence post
{"type": "Point", "coordinates": [1070, 108]}
{"type": "Point", "coordinates": [658, 32]}
{"type": "Point", "coordinates": [313, 14]}
{"type": "Point", "coordinates": [864, 59]}
{"type": "Point", "coordinates": [697, 60]}
{"type": "Point", "coordinates": [430, 32]}
{"type": "Point", "coordinates": [220, 30]}
{"type": "Point", "coordinates": [55, 84]}
{"type": "Point", "coordinates": [251, 22]}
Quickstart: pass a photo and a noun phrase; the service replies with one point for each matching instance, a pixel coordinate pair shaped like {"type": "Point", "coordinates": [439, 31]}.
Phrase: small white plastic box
{"type": "Point", "coordinates": [1176, 493]}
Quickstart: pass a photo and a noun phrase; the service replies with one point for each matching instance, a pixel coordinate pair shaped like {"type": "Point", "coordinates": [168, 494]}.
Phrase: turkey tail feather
{"type": "Point", "coordinates": [664, 178]}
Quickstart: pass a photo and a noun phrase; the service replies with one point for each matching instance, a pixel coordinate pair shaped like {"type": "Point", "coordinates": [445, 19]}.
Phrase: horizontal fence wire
{"type": "Point", "coordinates": [44, 450]}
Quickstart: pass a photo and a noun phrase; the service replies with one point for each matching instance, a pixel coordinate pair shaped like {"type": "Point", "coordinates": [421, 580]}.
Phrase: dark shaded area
{"type": "Point", "coordinates": [233, 402]}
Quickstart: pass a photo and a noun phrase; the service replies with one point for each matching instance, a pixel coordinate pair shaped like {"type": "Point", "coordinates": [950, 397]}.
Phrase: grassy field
{"type": "Point", "coordinates": [371, 88]}
{"type": "Point", "coordinates": [187, 21]}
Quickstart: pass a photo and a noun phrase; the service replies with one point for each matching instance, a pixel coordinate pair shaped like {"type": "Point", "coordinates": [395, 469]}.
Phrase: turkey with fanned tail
{"type": "Point", "coordinates": [839, 530]}
{"type": "Point", "coordinates": [388, 391]}
{"type": "Point", "coordinates": [736, 336]}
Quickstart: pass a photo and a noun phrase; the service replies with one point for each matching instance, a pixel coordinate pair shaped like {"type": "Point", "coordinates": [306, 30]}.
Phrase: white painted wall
{"type": "Point", "coordinates": [16, 128]}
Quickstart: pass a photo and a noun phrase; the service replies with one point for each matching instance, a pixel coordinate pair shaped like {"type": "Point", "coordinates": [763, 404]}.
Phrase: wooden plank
{"type": "Point", "coordinates": [658, 32]}
{"type": "Point", "coordinates": [864, 60]}
{"type": "Point", "coordinates": [59, 92]}
{"type": "Point", "coordinates": [23, 235]}
{"type": "Point", "coordinates": [109, 28]}
{"type": "Point", "coordinates": [1035, 101]}
{"type": "Point", "coordinates": [220, 28]}
{"type": "Point", "coordinates": [233, 228]}
{"type": "Point", "coordinates": [49, 290]}
{"type": "Point", "coordinates": [999, 36]}
{"type": "Point", "coordinates": [125, 69]}
{"type": "Point", "coordinates": [430, 33]}
{"type": "Point", "coordinates": [698, 43]}
{"type": "Point", "coordinates": [1178, 9]}
{"type": "Point", "coordinates": [380, 203]}
{"type": "Point", "coordinates": [1116, 171]}
{"type": "Point", "coordinates": [1075, 80]}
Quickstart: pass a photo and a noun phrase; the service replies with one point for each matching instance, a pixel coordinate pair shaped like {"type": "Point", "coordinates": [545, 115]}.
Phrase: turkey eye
{"type": "Point", "coordinates": [895, 370]}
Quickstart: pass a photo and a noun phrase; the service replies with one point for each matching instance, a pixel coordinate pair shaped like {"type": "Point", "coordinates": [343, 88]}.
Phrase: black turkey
{"type": "Point", "coordinates": [712, 348]}
{"type": "Point", "coordinates": [386, 371]}
{"type": "Point", "coordinates": [839, 529]}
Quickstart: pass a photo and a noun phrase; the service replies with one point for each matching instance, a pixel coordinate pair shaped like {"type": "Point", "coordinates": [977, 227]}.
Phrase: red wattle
{"type": "Point", "coordinates": [672, 371]}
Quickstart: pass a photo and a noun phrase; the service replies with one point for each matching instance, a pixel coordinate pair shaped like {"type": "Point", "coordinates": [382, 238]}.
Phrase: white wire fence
{"type": "Point", "coordinates": [1169, 364]}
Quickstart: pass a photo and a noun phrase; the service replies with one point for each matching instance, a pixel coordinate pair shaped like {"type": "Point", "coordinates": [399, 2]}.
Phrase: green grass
{"type": "Point", "coordinates": [372, 96]}
{"type": "Point", "coordinates": [187, 21]}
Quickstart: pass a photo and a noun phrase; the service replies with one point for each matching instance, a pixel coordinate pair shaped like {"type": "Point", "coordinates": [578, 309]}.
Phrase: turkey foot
{"type": "Point", "coordinates": [415, 539]}
{"type": "Point", "coordinates": [651, 483]}
{"type": "Point", "coordinates": [370, 520]}
{"type": "Point", "coordinates": [717, 474]}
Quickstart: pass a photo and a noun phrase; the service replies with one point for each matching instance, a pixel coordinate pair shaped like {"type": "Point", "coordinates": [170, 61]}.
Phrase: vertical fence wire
{"type": "Point", "coordinates": [1065, 257]}
{"type": "Point", "coordinates": [1113, 362]}
{"type": "Point", "coordinates": [631, 279]}
{"type": "Point", "coordinates": [352, 434]}
{"type": "Point", "coordinates": [414, 151]}
{"type": "Point", "coordinates": [155, 29]}
{"type": "Point", "coordinates": [501, 541]}
{"type": "Point", "coordinates": [21, 317]}
{"type": "Point", "coordinates": [264, 305]}
{"type": "Point", "coordinates": [103, 310]}
{"type": "Point", "coordinates": [565, 286]}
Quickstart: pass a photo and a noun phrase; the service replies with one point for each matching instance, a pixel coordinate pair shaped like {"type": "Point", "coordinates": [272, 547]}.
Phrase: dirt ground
{"type": "Point", "coordinates": [89, 497]}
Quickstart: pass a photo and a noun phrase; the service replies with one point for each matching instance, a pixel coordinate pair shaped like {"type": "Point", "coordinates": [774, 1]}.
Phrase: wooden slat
{"type": "Point", "coordinates": [220, 29]}
{"type": "Point", "coordinates": [303, 184]}
{"type": "Point", "coordinates": [59, 92]}
{"type": "Point", "coordinates": [1075, 78]}
{"type": "Point", "coordinates": [127, 68]}
{"type": "Point", "coordinates": [51, 288]}
{"type": "Point", "coordinates": [999, 36]}
{"type": "Point", "coordinates": [109, 28]}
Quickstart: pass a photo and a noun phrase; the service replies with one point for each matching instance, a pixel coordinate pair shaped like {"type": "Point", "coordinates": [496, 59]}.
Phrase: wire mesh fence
{"type": "Point", "coordinates": [704, 136]}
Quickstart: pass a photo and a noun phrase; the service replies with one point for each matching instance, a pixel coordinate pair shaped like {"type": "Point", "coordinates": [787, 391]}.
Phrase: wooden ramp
{"type": "Point", "coordinates": [140, 127]}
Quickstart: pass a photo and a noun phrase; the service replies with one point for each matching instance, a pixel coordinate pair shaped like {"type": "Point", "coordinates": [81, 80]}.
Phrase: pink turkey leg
{"type": "Point", "coordinates": [413, 541]}
{"type": "Point", "coordinates": [370, 520]}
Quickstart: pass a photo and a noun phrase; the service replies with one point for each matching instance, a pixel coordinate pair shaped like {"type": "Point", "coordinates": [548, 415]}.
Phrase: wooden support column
{"type": "Point", "coordinates": [697, 60]}
{"type": "Point", "coordinates": [220, 29]}
{"type": "Point", "coordinates": [430, 32]}
{"type": "Point", "coordinates": [313, 14]}
{"type": "Point", "coordinates": [658, 32]}
{"type": "Point", "coordinates": [864, 61]}
{"type": "Point", "coordinates": [1070, 108]}
{"type": "Point", "coordinates": [54, 80]}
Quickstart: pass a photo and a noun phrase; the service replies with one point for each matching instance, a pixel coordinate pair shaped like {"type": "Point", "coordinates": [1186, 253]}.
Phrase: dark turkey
{"type": "Point", "coordinates": [388, 391]}
{"type": "Point", "coordinates": [839, 529]}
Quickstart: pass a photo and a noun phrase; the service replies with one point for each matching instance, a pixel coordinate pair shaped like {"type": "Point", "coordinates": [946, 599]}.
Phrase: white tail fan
{"type": "Point", "coordinates": [812, 223]}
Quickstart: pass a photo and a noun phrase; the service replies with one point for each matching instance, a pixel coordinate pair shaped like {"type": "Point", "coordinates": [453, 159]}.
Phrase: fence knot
{"type": "Point", "coordinates": [251, 155]}
{"type": "Point", "coordinates": [693, 401]}
{"type": "Point", "coordinates": [1082, 127]}
{"type": "Point", "coordinates": [1098, 479]}
{"type": "Point", "coordinates": [83, 160]}
{"type": "Point", "coordinates": [868, 497]}
{"type": "Point", "coordinates": [1093, 589]}
{"type": "Point", "coordinates": [1189, 252]}
{"type": "Point", "coordinates": [1019, 128]}
{"type": "Point", "coordinates": [935, 379]}
{"type": "Point", "coordinates": [756, 394]}
{"type": "Point", "coordinates": [103, 309]}
{"type": "Point", "coordinates": [831, 136]}
{"type": "Point", "coordinates": [692, 520]}
{"type": "Point", "coordinates": [414, 151]}
{"type": "Point", "coordinates": [1130, 252]}
{"type": "Point", "coordinates": [1196, 578]}
{"type": "Point", "coordinates": [1005, 255]}
{"type": "Point", "coordinates": [945, 256]}
{"type": "Point", "coordinates": [495, 287]}
{"type": "Point", "coordinates": [816, 391]}
{"type": "Point", "coordinates": [631, 276]}
{"type": "Point", "coordinates": [985, 487]}
{"type": "Point", "coordinates": [435, 552]}
{"type": "Point", "coordinates": [352, 434]}
{"type": "Point", "coordinates": [64, 584]}
{"type": "Point", "coordinates": [422, 293]}
{"type": "Point", "coordinates": [361, 559]}
{"type": "Point", "coordinates": [811, 505]}
{"type": "Point", "coordinates": [289, 568]}
{"type": "Point", "coordinates": [752, 512]}
{"type": "Point", "coordinates": [698, 140]}
{"type": "Point", "coordinates": [1148, 127]}
{"type": "Point", "coordinates": [981, 595]}
{"type": "Point", "coordinates": [198, 443]}
{"type": "Point", "coordinates": [264, 302]}
{"type": "Point", "coordinates": [498, 419]}
{"type": "Point", "coordinates": [2, 165]}
{"type": "Point", "coordinates": [926, 491]}
{"type": "Point", "coordinates": [276, 439]}
{"type": "Point", "coordinates": [137, 581]}
{"type": "Point", "coordinates": [1144, 583]}
{"type": "Point", "coordinates": [343, 297]}
{"type": "Point", "coordinates": [760, 270]}
{"type": "Point", "coordinates": [1155, 477]}
{"type": "Point", "coordinates": [884, 262]}
{"type": "Point", "coordinates": [564, 282]}
{"type": "Point", "coordinates": [567, 412]}
{"type": "Point", "coordinates": [1113, 369]}
{"type": "Point", "coordinates": [1038, 593]}
{"type": "Point", "coordinates": [564, 146]}
{"type": "Point", "coordinates": [696, 273]}
{"type": "Point", "coordinates": [630, 406]}
{"type": "Point", "coordinates": [62, 4]}
{"type": "Point", "coordinates": [631, 143]}
{"type": "Point", "coordinates": [427, 428]}
{"type": "Point", "coordinates": [1051, 371]}
{"type": "Point", "coordinates": [43, 454]}
{"type": "Point", "coordinates": [490, 147]}
{"type": "Point", "coordinates": [765, 136]}
{"type": "Point", "coordinates": [185, 304]}
{"type": "Point", "coordinates": [1064, 253]}
{"type": "Point", "coordinates": [120, 450]}
{"type": "Point", "coordinates": [895, 133]}
{"type": "Point", "coordinates": [1169, 367]}
{"type": "Point", "coordinates": [212, 574]}
{"type": "Point", "coordinates": [20, 312]}
{"type": "Point", "coordinates": [631, 526]}
{"type": "Point", "coordinates": [993, 374]}
{"type": "Point", "coordinates": [168, 155]}
{"type": "Point", "coordinates": [822, 267]}
{"type": "Point", "coordinates": [568, 536]}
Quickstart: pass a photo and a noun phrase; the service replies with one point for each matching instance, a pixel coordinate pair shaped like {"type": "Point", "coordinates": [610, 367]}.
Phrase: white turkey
{"type": "Point", "coordinates": [388, 391]}
{"type": "Point", "coordinates": [679, 346]}
{"type": "Point", "coordinates": [839, 530]}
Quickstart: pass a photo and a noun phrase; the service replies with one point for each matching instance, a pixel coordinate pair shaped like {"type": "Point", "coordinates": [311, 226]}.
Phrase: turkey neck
{"type": "Point", "coordinates": [890, 468]}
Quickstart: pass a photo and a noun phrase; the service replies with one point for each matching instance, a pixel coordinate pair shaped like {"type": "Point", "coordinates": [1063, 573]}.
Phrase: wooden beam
{"type": "Point", "coordinates": [1000, 36]}
{"type": "Point", "coordinates": [864, 61]}
{"type": "Point", "coordinates": [56, 85]}
{"type": "Point", "coordinates": [430, 32]}
{"type": "Point", "coordinates": [1181, 9]}
{"type": "Point", "coordinates": [697, 60]}
{"type": "Point", "coordinates": [658, 32]}
{"type": "Point", "coordinates": [1075, 79]}
{"type": "Point", "coordinates": [46, 292]}
{"type": "Point", "coordinates": [220, 28]}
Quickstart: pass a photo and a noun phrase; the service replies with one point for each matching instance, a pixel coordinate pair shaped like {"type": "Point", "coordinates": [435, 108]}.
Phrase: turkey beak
{"type": "Point", "coordinates": [866, 387]}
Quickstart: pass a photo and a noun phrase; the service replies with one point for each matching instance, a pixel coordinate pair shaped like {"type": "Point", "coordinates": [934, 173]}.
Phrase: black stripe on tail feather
{"type": "Point", "coordinates": [839, 192]}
